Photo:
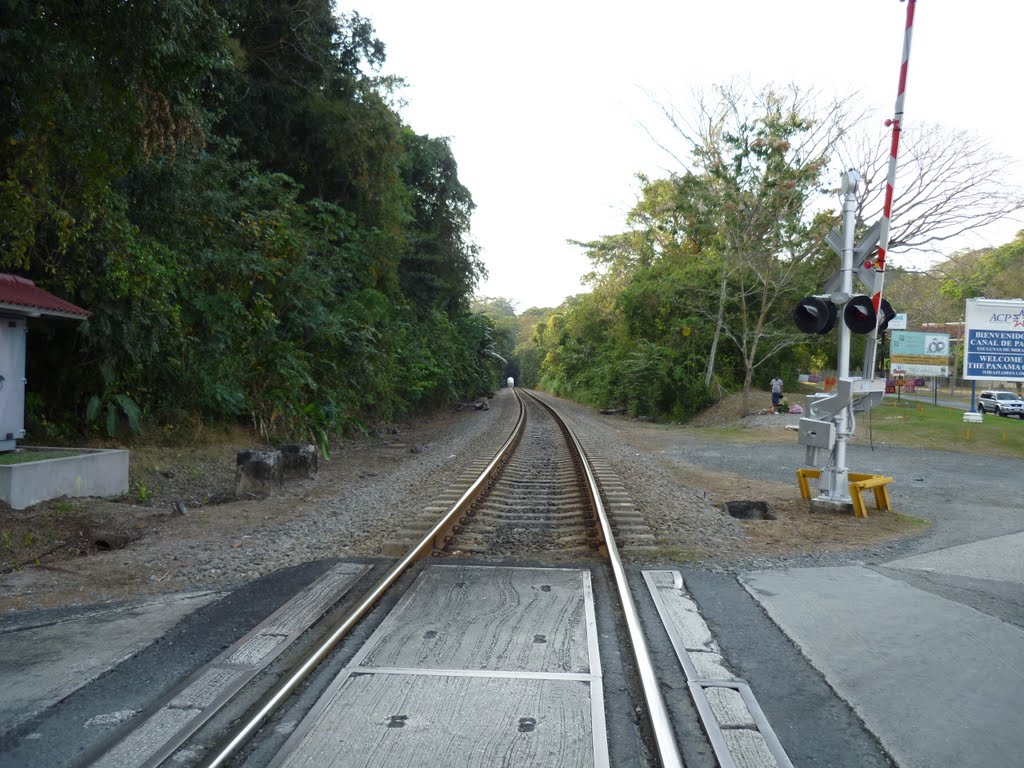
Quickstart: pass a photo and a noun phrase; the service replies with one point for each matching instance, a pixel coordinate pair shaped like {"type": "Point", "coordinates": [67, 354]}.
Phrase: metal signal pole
{"type": "Point", "coordinates": [835, 479]}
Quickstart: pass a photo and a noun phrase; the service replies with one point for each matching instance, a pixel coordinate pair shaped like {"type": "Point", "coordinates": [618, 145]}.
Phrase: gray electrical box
{"type": "Point", "coordinates": [12, 382]}
{"type": "Point", "coordinates": [817, 434]}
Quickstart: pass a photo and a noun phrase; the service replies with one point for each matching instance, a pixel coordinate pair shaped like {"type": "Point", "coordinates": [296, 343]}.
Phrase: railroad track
{"type": "Point", "coordinates": [538, 497]}
{"type": "Point", "coordinates": [537, 503]}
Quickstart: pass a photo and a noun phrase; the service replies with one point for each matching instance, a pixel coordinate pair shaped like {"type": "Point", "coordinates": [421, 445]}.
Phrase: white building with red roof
{"type": "Point", "coordinates": [21, 299]}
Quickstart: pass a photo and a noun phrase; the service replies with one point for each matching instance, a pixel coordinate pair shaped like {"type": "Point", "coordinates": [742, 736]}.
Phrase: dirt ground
{"type": "Point", "coordinates": [793, 530]}
{"type": "Point", "coordinates": [54, 541]}
{"type": "Point", "coordinates": [51, 538]}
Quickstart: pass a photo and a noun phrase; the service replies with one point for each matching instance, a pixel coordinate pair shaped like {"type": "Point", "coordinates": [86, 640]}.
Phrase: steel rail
{"type": "Point", "coordinates": [661, 725]}
{"type": "Point", "coordinates": [425, 546]}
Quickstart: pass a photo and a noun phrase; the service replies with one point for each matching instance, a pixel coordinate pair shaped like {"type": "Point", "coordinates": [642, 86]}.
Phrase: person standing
{"type": "Point", "coordinates": [776, 391]}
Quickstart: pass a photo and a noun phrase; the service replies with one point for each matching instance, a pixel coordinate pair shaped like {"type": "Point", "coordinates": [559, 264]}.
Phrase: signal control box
{"type": "Point", "coordinates": [817, 434]}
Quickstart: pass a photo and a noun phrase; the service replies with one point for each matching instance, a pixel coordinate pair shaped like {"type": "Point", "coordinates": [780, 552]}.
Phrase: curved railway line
{"type": "Point", "coordinates": [539, 497]}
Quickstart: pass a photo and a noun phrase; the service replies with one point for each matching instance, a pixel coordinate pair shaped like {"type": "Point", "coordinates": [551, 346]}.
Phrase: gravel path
{"type": "Point", "coordinates": [358, 499]}
{"type": "Point", "coordinates": [964, 497]}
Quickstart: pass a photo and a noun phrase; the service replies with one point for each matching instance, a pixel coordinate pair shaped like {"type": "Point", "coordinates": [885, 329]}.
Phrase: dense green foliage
{"type": "Point", "coordinates": [996, 273]}
{"type": "Point", "coordinates": [227, 188]}
{"type": "Point", "coordinates": [642, 339]}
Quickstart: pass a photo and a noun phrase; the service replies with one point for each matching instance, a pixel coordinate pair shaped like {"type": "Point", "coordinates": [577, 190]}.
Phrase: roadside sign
{"type": "Point", "coordinates": [994, 337]}
{"type": "Point", "coordinates": [919, 354]}
{"type": "Point", "coordinates": [898, 323]}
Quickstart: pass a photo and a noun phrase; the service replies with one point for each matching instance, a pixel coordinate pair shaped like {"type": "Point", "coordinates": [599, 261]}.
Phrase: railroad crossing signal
{"type": "Point", "coordinates": [860, 316]}
{"type": "Point", "coordinates": [817, 314]}
{"type": "Point", "coordinates": [830, 423]}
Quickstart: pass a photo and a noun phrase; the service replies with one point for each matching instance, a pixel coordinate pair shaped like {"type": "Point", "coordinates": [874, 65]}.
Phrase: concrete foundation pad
{"type": "Point", "coordinates": [939, 683]}
{"type": "Point", "coordinates": [824, 504]}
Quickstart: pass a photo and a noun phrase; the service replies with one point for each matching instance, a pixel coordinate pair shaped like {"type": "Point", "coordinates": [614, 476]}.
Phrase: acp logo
{"type": "Point", "coordinates": [1006, 317]}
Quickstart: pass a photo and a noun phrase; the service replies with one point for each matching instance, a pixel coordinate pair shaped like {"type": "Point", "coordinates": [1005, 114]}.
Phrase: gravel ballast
{"type": "Point", "coordinates": [363, 495]}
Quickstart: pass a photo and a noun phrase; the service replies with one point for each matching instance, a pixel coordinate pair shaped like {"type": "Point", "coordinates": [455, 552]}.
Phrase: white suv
{"type": "Point", "coordinates": [1001, 403]}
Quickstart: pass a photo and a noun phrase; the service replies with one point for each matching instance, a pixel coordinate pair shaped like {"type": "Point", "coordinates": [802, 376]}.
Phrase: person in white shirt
{"type": "Point", "coordinates": [776, 391]}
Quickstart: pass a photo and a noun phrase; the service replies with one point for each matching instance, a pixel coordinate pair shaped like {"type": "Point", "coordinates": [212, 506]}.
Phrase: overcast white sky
{"type": "Point", "coordinates": [545, 100]}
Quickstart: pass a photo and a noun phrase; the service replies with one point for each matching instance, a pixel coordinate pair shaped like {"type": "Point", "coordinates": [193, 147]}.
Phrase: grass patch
{"type": "Point", "coordinates": [22, 457]}
{"type": "Point", "coordinates": [922, 425]}
{"type": "Point", "coordinates": [665, 553]}
{"type": "Point", "coordinates": [796, 530]}
{"type": "Point", "coordinates": [907, 424]}
{"type": "Point", "coordinates": [64, 507]}
{"type": "Point", "coordinates": [911, 521]}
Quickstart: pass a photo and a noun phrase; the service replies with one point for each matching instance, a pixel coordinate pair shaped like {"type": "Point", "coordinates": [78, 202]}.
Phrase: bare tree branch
{"type": "Point", "coordinates": [948, 183]}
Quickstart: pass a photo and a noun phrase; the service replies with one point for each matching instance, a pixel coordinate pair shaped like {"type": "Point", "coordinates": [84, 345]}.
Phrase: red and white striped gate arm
{"type": "Point", "coordinates": [896, 123]}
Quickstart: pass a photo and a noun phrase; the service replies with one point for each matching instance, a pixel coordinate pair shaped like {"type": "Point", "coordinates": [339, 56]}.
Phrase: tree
{"type": "Point", "coordinates": [440, 264]}
{"type": "Point", "coordinates": [89, 91]}
{"type": "Point", "coordinates": [996, 273]}
{"type": "Point", "coordinates": [505, 331]}
{"type": "Point", "coordinates": [228, 189]}
{"type": "Point", "coordinates": [496, 306]}
{"type": "Point", "coordinates": [299, 103]}
{"type": "Point", "coordinates": [948, 183]}
{"type": "Point", "coordinates": [713, 257]}
{"type": "Point", "coordinates": [750, 193]}
{"type": "Point", "coordinates": [920, 295]}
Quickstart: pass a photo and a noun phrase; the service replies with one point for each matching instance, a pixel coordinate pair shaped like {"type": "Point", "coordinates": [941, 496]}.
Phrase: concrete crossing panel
{"type": "Point", "coordinates": [391, 720]}
{"type": "Point", "coordinates": [476, 666]}
{"type": "Point", "coordinates": [458, 617]}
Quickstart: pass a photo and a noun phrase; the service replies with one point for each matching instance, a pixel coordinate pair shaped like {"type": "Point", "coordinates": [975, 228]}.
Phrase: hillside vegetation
{"type": "Point", "coordinates": [229, 189]}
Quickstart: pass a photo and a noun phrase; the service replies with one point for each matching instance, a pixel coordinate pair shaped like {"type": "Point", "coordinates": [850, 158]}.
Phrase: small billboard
{"type": "Point", "coordinates": [898, 323]}
{"type": "Point", "coordinates": [919, 354]}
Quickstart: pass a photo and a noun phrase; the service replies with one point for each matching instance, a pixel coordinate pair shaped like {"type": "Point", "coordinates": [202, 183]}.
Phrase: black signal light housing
{"type": "Point", "coordinates": [815, 314]}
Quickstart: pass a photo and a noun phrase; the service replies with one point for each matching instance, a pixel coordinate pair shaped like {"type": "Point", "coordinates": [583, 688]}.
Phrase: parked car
{"type": "Point", "coordinates": [1001, 403]}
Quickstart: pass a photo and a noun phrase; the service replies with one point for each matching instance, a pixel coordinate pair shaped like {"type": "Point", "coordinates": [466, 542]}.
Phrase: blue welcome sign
{"type": "Point", "coordinates": [994, 338]}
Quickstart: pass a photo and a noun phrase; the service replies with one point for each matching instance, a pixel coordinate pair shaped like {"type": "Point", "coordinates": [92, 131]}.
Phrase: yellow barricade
{"type": "Point", "coordinates": [858, 483]}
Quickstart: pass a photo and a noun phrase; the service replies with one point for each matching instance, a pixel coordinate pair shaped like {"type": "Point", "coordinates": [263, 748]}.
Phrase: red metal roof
{"type": "Point", "coordinates": [21, 296]}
